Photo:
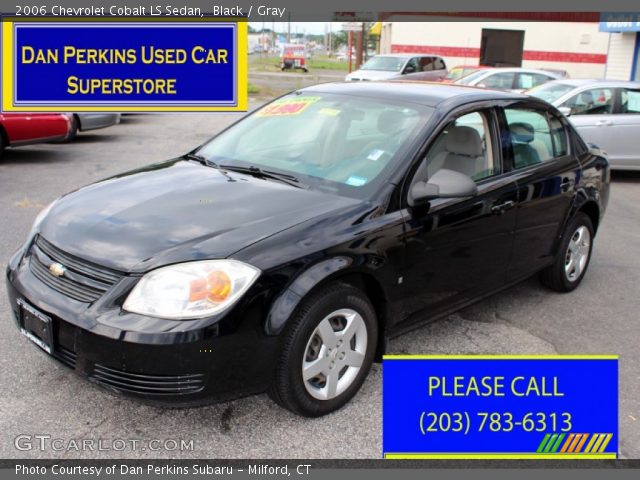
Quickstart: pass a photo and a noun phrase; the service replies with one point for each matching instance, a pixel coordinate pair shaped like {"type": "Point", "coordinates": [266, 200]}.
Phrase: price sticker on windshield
{"type": "Point", "coordinates": [500, 407]}
{"type": "Point", "coordinates": [287, 106]}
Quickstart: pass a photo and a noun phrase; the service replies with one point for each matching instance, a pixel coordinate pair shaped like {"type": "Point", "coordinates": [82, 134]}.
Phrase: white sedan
{"type": "Point", "coordinates": [605, 112]}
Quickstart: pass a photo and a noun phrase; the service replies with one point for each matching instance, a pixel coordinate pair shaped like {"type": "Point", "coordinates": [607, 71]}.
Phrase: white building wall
{"type": "Point", "coordinates": [577, 47]}
{"type": "Point", "coordinates": [620, 59]}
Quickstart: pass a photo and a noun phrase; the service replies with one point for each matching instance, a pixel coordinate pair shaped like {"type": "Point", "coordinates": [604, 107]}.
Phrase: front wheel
{"type": "Point", "coordinates": [328, 350]}
{"type": "Point", "coordinates": [572, 259]}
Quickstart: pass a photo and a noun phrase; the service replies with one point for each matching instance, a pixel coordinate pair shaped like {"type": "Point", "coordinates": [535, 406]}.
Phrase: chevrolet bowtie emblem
{"type": "Point", "coordinates": [57, 270]}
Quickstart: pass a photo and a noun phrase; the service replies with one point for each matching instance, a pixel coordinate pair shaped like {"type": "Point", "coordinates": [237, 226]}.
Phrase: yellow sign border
{"type": "Point", "coordinates": [242, 80]}
{"type": "Point", "coordinates": [501, 357]}
{"type": "Point", "coordinates": [499, 456]}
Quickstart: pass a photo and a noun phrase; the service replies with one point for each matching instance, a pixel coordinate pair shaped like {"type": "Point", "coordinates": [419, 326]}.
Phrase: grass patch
{"type": "Point", "coordinates": [319, 62]}
{"type": "Point", "coordinates": [253, 89]}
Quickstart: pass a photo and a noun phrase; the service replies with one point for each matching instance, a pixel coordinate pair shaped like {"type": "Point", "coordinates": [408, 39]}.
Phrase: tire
{"type": "Point", "coordinates": [314, 342]}
{"type": "Point", "coordinates": [1, 142]}
{"type": "Point", "coordinates": [573, 257]}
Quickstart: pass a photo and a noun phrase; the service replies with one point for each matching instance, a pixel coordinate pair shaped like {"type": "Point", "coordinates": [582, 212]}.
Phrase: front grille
{"type": "Point", "coordinates": [148, 384]}
{"type": "Point", "coordinates": [82, 281]}
{"type": "Point", "coordinates": [66, 356]}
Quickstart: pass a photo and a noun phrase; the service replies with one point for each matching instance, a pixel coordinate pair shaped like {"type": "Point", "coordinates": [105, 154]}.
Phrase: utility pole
{"type": "Point", "coordinates": [289, 27]}
{"type": "Point", "coordinates": [359, 47]}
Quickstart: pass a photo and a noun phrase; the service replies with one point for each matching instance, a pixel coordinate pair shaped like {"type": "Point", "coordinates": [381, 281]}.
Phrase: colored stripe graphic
{"type": "Point", "coordinates": [568, 442]}
{"type": "Point", "coordinates": [582, 442]}
{"type": "Point", "coordinates": [574, 442]}
{"type": "Point", "coordinates": [577, 441]}
{"type": "Point", "coordinates": [544, 441]}
{"type": "Point", "coordinates": [591, 442]}
{"type": "Point", "coordinates": [605, 442]}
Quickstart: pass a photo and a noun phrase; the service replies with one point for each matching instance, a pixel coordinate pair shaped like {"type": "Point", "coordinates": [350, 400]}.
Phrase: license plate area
{"type": "Point", "coordinates": [36, 326]}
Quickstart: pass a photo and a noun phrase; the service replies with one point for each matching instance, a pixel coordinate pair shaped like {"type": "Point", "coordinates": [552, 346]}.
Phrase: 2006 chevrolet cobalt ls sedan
{"type": "Point", "coordinates": [281, 254]}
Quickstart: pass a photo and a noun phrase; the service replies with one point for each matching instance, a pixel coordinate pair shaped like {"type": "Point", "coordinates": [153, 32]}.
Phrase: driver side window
{"type": "Point", "coordinates": [464, 146]}
{"type": "Point", "coordinates": [596, 101]}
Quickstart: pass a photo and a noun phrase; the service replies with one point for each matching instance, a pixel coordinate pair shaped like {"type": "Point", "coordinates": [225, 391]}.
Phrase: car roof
{"type": "Point", "coordinates": [525, 70]}
{"type": "Point", "coordinates": [423, 93]}
{"type": "Point", "coordinates": [588, 82]}
{"type": "Point", "coordinates": [406, 55]}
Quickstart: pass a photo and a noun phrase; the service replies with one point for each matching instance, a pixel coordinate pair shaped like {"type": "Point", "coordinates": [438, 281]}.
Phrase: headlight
{"type": "Point", "coordinates": [191, 290]}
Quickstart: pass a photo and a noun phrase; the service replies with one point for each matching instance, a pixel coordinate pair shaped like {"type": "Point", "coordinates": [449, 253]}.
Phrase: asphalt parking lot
{"type": "Point", "coordinates": [41, 397]}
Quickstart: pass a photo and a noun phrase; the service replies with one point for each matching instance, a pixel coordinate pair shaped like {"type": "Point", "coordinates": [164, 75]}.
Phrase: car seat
{"type": "Point", "coordinates": [522, 134]}
{"type": "Point", "coordinates": [464, 151]}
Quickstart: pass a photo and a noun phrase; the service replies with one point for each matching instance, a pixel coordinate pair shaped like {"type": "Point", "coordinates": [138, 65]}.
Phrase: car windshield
{"type": "Point", "coordinates": [467, 80]}
{"type": "Point", "coordinates": [384, 63]}
{"type": "Point", "coordinates": [336, 143]}
{"type": "Point", "coordinates": [550, 92]}
{"type": "Point", "coordinates": [458, 72]}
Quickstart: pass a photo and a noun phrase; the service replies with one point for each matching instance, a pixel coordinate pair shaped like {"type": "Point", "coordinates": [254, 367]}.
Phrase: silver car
{"type": "Point", "coordinates": [81, 122]}
{"type": "Point", "coordinates": [605, 112]}
{"type": "Point", "coordinates": [410, 66]}
{"type": "Point", "coordinates": [513, 79]}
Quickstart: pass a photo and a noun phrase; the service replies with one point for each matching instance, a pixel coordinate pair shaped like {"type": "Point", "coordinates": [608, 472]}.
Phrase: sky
{"type": "Point", "coordinates": [314, 28]}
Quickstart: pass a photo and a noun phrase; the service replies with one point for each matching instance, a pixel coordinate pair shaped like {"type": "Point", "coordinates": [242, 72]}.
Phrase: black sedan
{"type": "Point", "coordinates": [280, 255]}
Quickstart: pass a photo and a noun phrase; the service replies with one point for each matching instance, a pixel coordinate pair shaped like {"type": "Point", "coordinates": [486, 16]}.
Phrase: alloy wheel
{"type": "Point", "coordinates": [577, 253]}
{"type": "Point", "coordinates": [334, 354]}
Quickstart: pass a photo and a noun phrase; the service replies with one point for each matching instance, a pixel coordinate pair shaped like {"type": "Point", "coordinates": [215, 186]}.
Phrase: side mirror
{"type": "Point", "coordinates": [409, 69]}
{"type": "Point", "coordinates": [566, 111]}
{"type": "Point", "coordinates": [443, 184]}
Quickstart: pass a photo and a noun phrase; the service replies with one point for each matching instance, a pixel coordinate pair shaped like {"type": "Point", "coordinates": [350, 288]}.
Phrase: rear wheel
{"type": "Point", "coordinates": [1, 143]}
{"type": "Point", "coordinates": [573, 257]}
{"type": "Point", "coordinates": [327, 353]}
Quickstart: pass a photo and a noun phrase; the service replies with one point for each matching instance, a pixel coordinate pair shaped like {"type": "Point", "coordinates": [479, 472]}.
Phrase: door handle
{"type": "Point", "coordinates": [503, 207]}
{"type": "Point", "coordinates": [604, 123]}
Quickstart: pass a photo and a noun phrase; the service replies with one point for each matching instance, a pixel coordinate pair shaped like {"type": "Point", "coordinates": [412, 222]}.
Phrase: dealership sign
{"type": "Point", "coordinates": [500, 406]}
{"type": "Point", "coordinates": [620, 22]}
{"type": "Point", "coordinates": [124, 66]}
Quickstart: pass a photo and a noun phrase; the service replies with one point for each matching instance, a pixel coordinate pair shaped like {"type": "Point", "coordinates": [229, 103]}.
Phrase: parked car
{"type": "Point", "coordinates": [82, 122]}
{"type": "Point", "coordinates": [605, 112]}
{"type": "Point", "coordinates": [413, 66]}
{"type": "Point", "coordinates": [18, 129]}
{"type": "Point", "coordinates": [460, 71]}
{"type": "Point", "coordinates": [280, 257]}
{"type": "Point", "coordinates": [512, 79]}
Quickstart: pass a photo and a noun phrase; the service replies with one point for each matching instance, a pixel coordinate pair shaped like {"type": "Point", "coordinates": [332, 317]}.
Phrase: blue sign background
{"type": "Point", "coordinates": [202, 84]}
{"type": "Point", "coordinates": [620, 22]}
{"type": "Point", "coordinates": [590, 390]}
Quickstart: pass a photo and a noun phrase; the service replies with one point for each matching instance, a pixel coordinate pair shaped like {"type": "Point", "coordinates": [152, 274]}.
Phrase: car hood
{"type": "Point", "coordinates": [372, 75]}
{"type": "Point", "coordinates": [177, 211]}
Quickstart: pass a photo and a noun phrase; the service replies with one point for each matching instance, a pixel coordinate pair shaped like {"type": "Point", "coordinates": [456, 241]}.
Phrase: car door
{"type": "Point", "coordinates": [458, 249]}
{"type": "Point", "coordinates": [592, 115]}
{"type": "Point", "coordinates": [625, 130]}
{"type": "Point", "coordinates": [546, 174]}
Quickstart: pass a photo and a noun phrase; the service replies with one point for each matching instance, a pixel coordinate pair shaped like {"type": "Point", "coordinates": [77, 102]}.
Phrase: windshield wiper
{"type": "Point", "coordinates": [201, 159]}
{"type": "Point", "coordinates": [259, 172]}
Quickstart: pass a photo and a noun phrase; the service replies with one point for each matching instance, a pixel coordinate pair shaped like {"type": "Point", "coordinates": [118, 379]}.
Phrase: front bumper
{"type": "Point", "coordinates": [163, 362]}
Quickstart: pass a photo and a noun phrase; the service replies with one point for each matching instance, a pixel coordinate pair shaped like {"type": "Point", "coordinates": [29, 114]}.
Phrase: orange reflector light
{"type": "Point", "coordinates": [219, 286]}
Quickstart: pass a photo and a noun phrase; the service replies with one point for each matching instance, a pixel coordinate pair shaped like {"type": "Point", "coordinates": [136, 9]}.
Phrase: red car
{"type": "Point", "coordinates": [25, 128]}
